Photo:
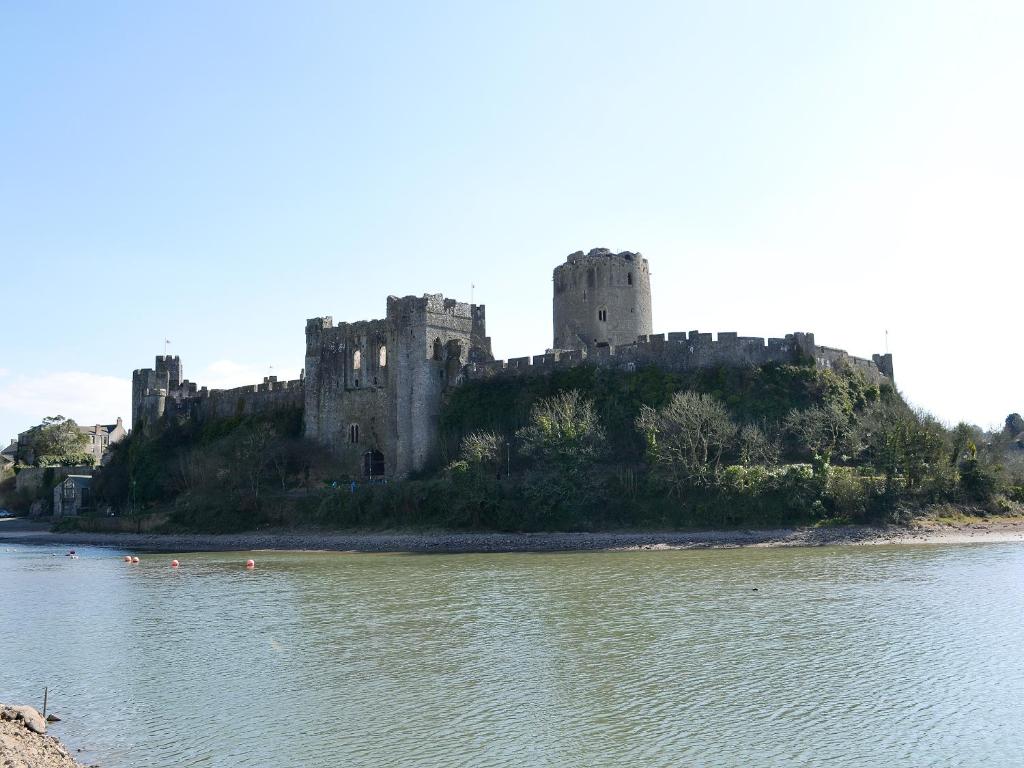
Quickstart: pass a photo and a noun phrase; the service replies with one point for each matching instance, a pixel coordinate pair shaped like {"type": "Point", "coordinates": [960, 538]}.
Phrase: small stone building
{"type": "Point", "coordinates": [71, 496]}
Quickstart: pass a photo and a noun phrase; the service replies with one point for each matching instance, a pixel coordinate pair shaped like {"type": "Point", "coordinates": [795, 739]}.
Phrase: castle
{"type": "Point", "coordinates": [371, 391]}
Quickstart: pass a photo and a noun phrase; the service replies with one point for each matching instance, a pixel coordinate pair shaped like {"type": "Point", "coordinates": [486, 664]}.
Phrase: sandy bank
{"type": "Point", "coordinates": [22, 532]}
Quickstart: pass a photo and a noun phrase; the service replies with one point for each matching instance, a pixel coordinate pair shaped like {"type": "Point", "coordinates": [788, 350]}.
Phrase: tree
{"type": "Point", "coordinates": [59, 442]}
{"type": "Point", "coordinates": [963, 435]}
{"type": "Point", "coordinates": [904, 443]}
{"type": "Point", "coordinates": [686, 439]}
{"type": "Point", "coordinates": [756, 448]}
{"type": "Point", "coordinates": [819, 430]}
{"type": "Point", "coordinates": [482, 449]}
{"type": "Point", "coordinates": [977, 480]}
{"type": "Point", "coordinates": [563, 431]}
{"type": "Point", "coordinates": [562, 441]}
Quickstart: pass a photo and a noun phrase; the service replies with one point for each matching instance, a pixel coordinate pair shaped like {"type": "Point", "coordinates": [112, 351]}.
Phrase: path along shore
{"type": "Point", "coordinates": [26, 532]}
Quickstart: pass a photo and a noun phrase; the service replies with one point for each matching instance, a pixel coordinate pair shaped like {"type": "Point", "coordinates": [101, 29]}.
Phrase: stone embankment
{"type": "Point", "coordinates": [24, 743]}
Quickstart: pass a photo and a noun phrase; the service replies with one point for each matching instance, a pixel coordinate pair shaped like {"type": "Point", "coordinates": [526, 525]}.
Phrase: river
{"type": "Point", "coordinates": [841, 656]}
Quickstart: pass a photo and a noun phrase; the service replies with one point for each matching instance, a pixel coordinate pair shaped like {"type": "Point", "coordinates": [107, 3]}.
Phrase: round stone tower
{"type": "Point", "coordinates": [601, 298]}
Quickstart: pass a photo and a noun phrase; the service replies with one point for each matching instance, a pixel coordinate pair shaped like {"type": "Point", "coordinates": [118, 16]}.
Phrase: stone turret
{"type": "Point", "coordinates": [171, 365]}
{"type": "Point", "coordinates": [601, 298]}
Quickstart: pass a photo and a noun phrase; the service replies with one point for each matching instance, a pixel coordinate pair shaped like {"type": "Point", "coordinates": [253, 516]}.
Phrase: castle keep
{"type": "Point", "coordinates": [371, 391]}
{"type": "Point", "coordinates": [601, 298]}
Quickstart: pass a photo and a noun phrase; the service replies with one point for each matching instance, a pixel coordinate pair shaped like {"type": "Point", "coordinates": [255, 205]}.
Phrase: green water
{"type": "Point", "coordinates": [858, 656]}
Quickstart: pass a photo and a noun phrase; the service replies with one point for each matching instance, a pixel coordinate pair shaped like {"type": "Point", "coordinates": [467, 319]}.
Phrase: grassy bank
{"type": "Point", "coordinates": [585, 450]}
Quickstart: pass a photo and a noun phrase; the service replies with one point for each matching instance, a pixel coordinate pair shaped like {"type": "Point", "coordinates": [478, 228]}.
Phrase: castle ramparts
{"type": "Point", "coordinates": [371, 390]}
{"type": "Point", "coordinates": [687, 351]}
{"type": "Point", "coordinates": [160, 391]}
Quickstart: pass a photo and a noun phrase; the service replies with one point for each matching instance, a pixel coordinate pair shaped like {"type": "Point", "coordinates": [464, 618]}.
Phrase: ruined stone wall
{"type": "Point", "coordinates": [158, 392]}
{"type": "Point", "coordinates": [680, 352]}
{"type": "Point", "coordinates": [347, 383]}
{"type": "Point", "coordinates": [836, 359]}
{"type": "Point", "coordinates": [376, 385]}
{"type": "Point", "coordinates": [269, 397]}
{"type": "Point", "coordinates": [601, 298]}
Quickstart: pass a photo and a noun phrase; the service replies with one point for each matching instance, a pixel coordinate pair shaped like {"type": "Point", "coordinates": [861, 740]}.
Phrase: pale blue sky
{"type": "Point", "coordinates": [216, 173]}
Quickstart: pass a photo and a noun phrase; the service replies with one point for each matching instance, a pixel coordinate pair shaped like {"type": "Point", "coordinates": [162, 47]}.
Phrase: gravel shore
{"type": "Point", "coordinates": [24, 743]}
{"type": "Point", "coordinates": [23, 532]}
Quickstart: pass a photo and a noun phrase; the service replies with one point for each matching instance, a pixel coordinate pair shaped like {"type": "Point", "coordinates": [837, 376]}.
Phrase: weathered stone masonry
{"type": "Point", "coordinates": [601, 298]}
{"type": "Point", "coordinates": [371, 391]}
{"type": "Point", "coordinates": [160, 391]}
{"type": "Point", "coordinates": [688, 351]}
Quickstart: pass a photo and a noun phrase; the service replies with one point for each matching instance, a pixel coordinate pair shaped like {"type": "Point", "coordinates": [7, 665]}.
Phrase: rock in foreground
{"type": "Point", "coordinates": [24, 743]}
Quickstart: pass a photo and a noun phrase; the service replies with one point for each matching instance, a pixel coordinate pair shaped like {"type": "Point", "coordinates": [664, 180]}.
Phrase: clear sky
{"type": "Point", "coordinates": [216, 173]}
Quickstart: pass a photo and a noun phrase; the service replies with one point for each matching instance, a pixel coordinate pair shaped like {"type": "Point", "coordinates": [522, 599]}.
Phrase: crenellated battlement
{"type": "Point", "coordinates": [683, 351]}
{"type": "Point", "coordinates": [159, 391]}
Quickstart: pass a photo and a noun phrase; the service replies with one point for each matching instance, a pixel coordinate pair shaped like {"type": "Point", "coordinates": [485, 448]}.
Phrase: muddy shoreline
{"type": "Point", "coordinates": [24, 532]}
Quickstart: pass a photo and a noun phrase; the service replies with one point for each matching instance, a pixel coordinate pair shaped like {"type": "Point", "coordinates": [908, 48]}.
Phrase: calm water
{"type": "Point", "coordinates": [861, 656]}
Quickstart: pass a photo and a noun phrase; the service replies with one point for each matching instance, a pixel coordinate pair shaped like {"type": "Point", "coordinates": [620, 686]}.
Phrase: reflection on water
{"type": "Point", "coordinates": [859, 656]}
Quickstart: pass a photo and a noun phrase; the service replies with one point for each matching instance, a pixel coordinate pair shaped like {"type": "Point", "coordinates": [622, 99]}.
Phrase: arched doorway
{"type": "Point", "coordinates": [373, 465]}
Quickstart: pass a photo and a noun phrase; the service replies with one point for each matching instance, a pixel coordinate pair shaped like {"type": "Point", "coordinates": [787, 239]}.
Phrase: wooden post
{"type": "Point", "coordinates": [46, 692]}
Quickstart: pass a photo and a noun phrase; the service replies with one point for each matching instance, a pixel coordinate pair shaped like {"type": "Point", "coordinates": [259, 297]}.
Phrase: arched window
{"type": "Point", "coordinates": [629, 278]}
{"type": "Point", "coordinates": [602, 315]}
{"type": "Point", "coordinates": [382, 356]}
{"type": "Point", "coordinates": [437, 349]}
{"type": "Point", "coordinates": [353, 434]}
{"type": "Point", "coordinates": [357, 360]}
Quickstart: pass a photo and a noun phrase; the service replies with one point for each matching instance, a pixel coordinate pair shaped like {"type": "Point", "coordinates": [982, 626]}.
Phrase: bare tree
{"type": "Point", "coordinates": [686, 438]}
{"type": "Point", "coordinates": [821, 430]}
{"type": "Point", "coordinates": [756, 448]}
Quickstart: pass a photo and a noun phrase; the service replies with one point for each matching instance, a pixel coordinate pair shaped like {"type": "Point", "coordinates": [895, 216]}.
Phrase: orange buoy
{"type": "Point", "coordinates": [250, 563]}
{"type": "Point", "coordinates": [127, 558]}
{"type": "Point", "coordinates": [174, 563]}
{"type": "Point", "coordinates": [135, 559]}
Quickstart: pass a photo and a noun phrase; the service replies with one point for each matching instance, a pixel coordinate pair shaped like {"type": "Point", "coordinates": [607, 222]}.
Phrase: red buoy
{"type": "Point", "coordinates": [174, 563]}
{"type": "Point", "coordinates": [250, 563]}
{"type": "Point", "coordinates": [127, 558]}
{"type": "Point", "coordinates": [135, 559]}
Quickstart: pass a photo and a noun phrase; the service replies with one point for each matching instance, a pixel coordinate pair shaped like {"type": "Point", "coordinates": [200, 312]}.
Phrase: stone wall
{"type": "Point", "coordinates": [159, 391]}
{"type": "Point", "coordinates": [30, 479]}
{"type": "Point", "coordinates": [347, 388]}
{"type": "Point", "coordinates": [681, 352]}
{"type": "Point", "coordinates": [374, 387]}
{"type": "Point", "coordinates": [270, 396]}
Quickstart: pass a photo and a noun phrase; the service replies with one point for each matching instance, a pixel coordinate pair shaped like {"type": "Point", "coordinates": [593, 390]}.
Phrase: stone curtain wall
{"type": "Point", "coordinates": [270, 396]}
{"type": "Point", "coordinates": [153, 396]}
{"type": "Point", "coordinates": [689, 351]}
